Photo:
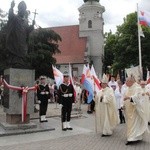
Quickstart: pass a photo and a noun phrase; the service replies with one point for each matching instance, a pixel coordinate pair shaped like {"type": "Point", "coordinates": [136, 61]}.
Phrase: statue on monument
{"type": "Point", "coordinates": [90, 0]}
{"type": "Point", "coordinates": [18, 31]}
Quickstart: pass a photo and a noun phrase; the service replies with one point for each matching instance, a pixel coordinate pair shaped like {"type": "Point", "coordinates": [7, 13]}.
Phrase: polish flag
{"type": "Point", "coordinates": [58, 76]}
{"type": "Point", "coordinates": [144, 18]}
{"type": "Point", "coordinates": [71, 79]}
{"type": "Point", "coordinates": [97, 82]}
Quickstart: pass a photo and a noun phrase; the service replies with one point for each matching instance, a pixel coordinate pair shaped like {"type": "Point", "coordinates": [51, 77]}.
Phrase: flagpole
{"type": "Point", "coordinates": [139, 43]}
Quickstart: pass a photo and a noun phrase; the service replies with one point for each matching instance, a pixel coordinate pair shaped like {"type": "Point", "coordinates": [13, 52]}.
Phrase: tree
{"type": "Point", "coordinates": [109, 49]}
{"type": "Point", "coordinates": [124, 45]}
{"type": "Point", "coordinates": [43, 44]}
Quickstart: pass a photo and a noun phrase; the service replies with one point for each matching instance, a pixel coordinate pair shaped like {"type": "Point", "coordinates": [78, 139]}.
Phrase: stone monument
{"type": "Point", "coordinates": [18, 73]}
{"type": "Point", "coordinates": [13, 98]}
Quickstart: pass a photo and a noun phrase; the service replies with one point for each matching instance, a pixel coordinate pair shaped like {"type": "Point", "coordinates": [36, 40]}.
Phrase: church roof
{"type": "Point", "coordinates": [72, 47]}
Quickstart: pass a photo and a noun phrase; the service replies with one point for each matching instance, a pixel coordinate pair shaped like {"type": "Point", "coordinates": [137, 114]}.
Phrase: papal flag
{"type": "Point", "coordinates": [141, 31]}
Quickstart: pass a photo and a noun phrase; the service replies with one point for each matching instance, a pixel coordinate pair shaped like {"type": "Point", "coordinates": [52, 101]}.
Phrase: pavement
{"type": "Point", "coordinates": [82, 137]}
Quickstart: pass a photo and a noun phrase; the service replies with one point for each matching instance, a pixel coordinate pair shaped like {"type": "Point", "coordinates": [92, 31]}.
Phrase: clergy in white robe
{"type": "Point", "coordinates": [78, 92]}
{"type": "Point", "coordinates": [135, 112]}
{"type": "Point", "coordinates": [106, 110]}
{"type": "Point", "coordinates": [148, 90]}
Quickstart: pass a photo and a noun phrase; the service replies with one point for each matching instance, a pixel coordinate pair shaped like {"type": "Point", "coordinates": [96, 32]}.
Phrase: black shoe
{"type": "Point", "coordinates": [132, 142]}
{"type": "Point", "coordinates": [69, 128]}
{"type": "Point", "coordinates": [148, 123]}
{"type": "Point", "coordinates": [104, 135]}
{"type": "Point", "coordinates": [128, 142]}
{"type": "Point", "coordinates": [89, 112]}
{"type": "Point", "coordinates": [45, 120]}
{"type": "Point", "coordinates": [64, 129]}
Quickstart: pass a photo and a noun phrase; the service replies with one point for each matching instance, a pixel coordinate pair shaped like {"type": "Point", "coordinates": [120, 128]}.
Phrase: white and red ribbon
{"type": "Point", "coordinates": [24, 96]}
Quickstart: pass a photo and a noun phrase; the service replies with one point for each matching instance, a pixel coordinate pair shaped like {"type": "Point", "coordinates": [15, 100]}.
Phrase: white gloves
{"type": "Point", "coordinates": [39, 102]}
{"type": "Point", "coordinates": [60, 106]}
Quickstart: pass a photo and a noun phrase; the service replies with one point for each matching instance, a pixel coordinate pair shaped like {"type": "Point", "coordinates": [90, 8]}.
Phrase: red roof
{"type": "Point", "coordinates": [72, 47]}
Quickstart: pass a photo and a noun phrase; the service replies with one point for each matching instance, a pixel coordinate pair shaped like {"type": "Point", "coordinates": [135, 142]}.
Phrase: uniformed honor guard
{"type": "Point", "coordinates": [43, 95]}
{"type": "Point", "coordinates": [66, 99]}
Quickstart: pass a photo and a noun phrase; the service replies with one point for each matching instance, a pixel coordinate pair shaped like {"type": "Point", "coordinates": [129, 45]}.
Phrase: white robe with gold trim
{"type": "Point", "coordinates": [148, 90]}
{"type": "Point", "coordinates": [136, 113]}
{"type": "Point", "coordinates": [106, 111]}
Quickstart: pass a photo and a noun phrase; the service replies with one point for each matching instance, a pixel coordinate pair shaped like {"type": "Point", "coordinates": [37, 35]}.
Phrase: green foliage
{"type": "Point", "coordinates": [108, 53]}
{"type": "Point", "coordinates": [123, 45]}
{"type": "Point", "coordinates": [43, 44]}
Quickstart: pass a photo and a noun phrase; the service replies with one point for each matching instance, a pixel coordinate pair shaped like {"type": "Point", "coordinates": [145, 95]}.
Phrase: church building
{"type": "Point", "coordinates": [83, 43]}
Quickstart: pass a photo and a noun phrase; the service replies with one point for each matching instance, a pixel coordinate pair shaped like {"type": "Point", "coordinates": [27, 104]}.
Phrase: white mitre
{"type": "Point", "coordinates": [104, 79]}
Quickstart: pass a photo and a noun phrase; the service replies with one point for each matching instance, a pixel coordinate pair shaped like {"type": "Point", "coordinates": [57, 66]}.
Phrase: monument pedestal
{"type": "Point", "coordinates": [16, 119]}
{"type": "Point", "coordinates": [13, 98]}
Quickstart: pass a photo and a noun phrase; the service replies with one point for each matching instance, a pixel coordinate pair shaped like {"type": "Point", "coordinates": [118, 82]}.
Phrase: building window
{"type": "Point", "coordinates": [75, 72]}
{"type": "Point", "coordinates": [89, 24]}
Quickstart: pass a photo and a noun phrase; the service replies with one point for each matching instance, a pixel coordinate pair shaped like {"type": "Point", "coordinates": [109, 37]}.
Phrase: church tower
{"type": "Point", "coordinates": [91, 26]}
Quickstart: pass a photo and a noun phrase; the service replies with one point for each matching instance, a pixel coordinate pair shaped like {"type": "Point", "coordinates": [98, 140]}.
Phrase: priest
{"type": "Point", "coordinates": [106, 109]}
{"type": "Point", "coordinates": [135, 111]}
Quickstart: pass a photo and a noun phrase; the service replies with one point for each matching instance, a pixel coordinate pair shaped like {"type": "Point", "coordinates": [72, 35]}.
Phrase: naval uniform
{"type": "Point", "coordinates": [43, 94]}
{"type": "Point", "coordinates": [66, 98]}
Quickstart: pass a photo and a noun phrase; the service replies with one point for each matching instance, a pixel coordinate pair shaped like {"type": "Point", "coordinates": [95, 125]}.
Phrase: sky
{"type": "Point", "coordinates": [65, 12]}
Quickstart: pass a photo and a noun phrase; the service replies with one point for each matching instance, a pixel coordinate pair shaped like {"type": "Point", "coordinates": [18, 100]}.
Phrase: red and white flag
{"type": "Point", "coordinates": [58, 76]}
{"type": "Point", "coordinates": [71, 79]}
{"type": "Point", "coordinates": [144, 17]}
{"type": "Point", "coordinates": [97, 82]}
{"type": "Point", "coordinates": [70, 75]}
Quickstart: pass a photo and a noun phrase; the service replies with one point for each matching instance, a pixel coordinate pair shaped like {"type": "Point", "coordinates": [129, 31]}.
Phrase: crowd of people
{"type": "Point", "coordinates": [115, 103]}
{"type": "Point", "coordinates": [123, 103]}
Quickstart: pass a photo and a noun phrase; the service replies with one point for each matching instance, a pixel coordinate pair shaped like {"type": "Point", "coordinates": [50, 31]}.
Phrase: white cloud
{"type": "Point", "coordinates": [65, 12]}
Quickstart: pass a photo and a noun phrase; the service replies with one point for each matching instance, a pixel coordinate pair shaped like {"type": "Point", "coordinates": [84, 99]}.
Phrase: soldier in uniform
{"type": "Point", "coordinates": [66, 99]}
{"type": "Point", "coordinates": [43, 95]}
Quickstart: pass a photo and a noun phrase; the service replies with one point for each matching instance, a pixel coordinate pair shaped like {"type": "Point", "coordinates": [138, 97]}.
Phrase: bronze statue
{"type": "Point", "coordinates": [18, 32]}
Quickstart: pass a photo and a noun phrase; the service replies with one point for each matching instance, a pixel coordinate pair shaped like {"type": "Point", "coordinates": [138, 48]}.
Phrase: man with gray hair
{"type": "Point", "coordinates": [135, 113]}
